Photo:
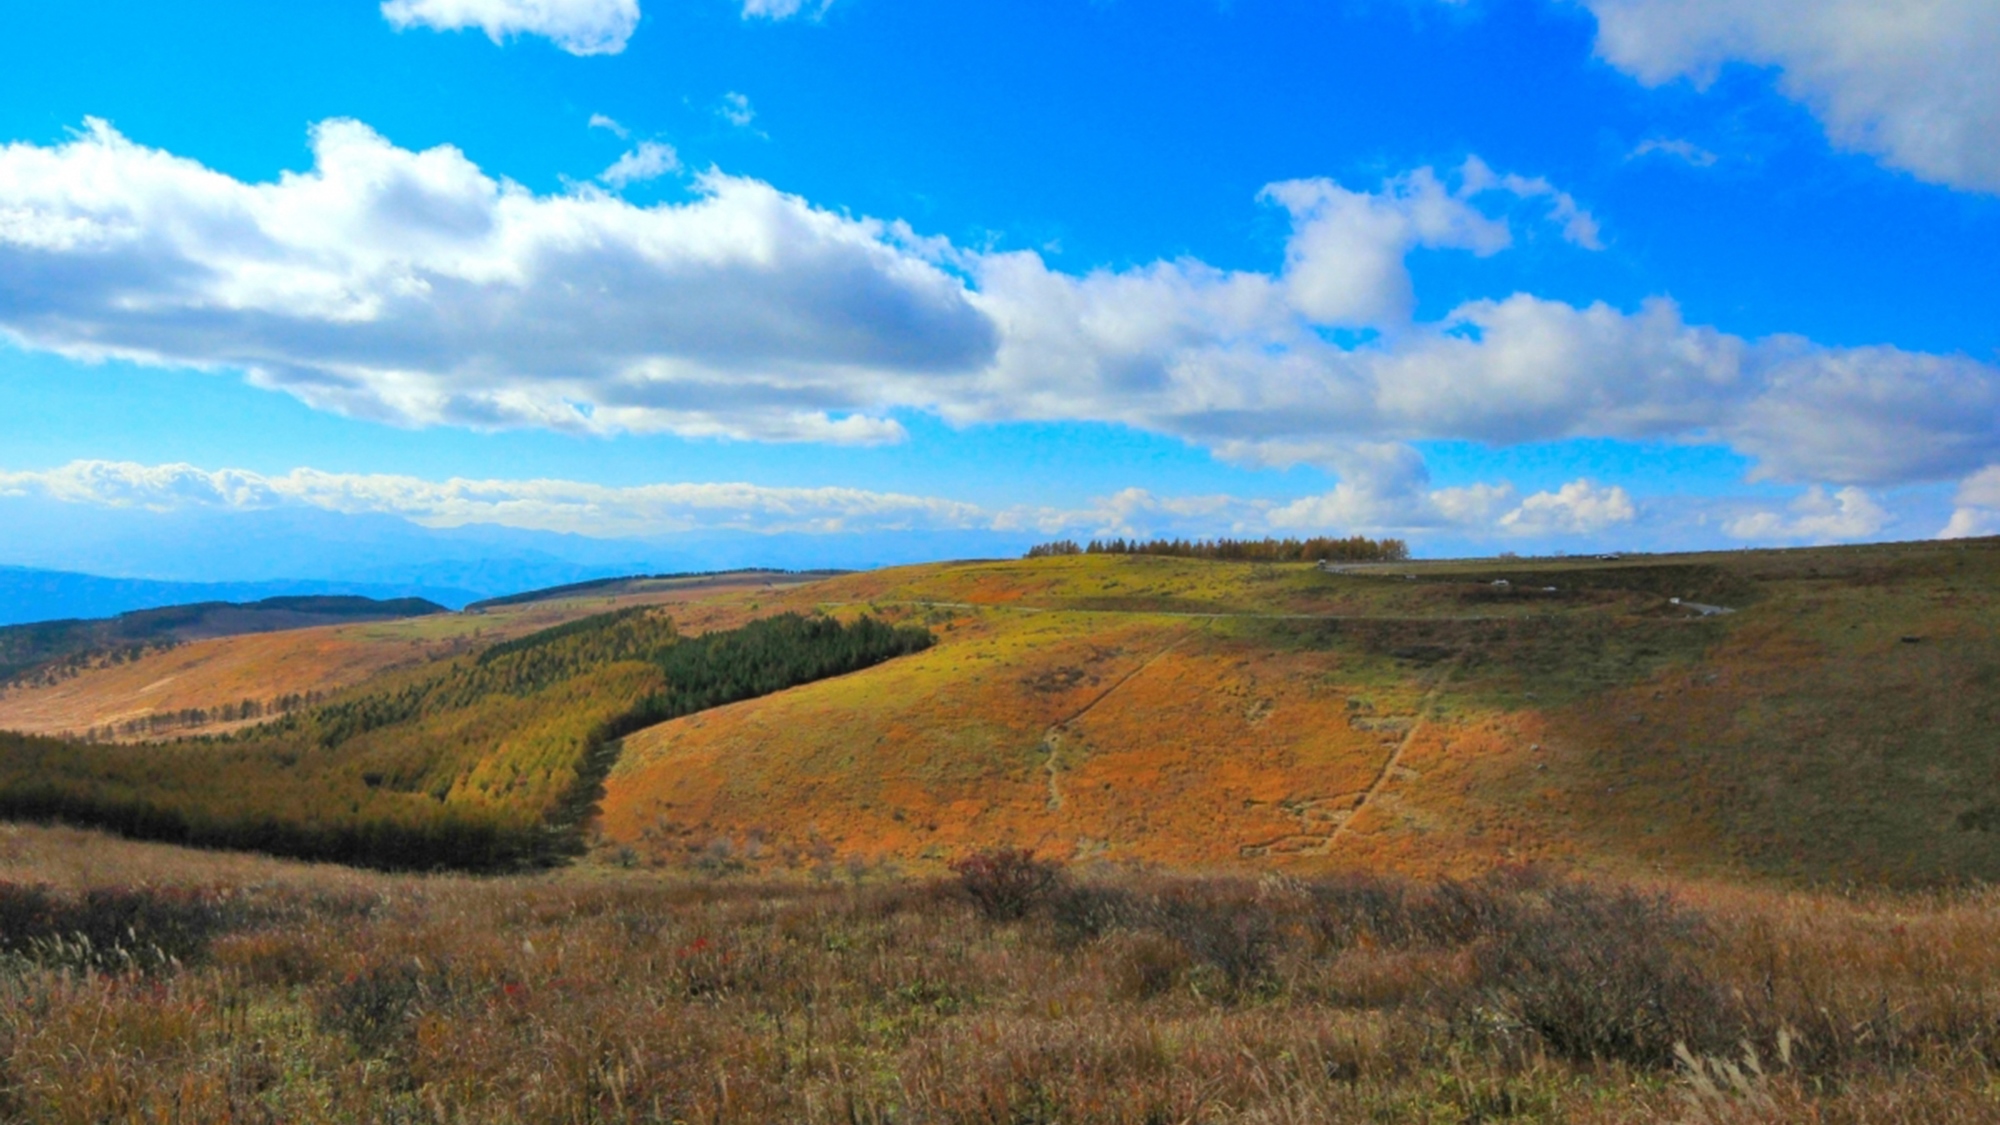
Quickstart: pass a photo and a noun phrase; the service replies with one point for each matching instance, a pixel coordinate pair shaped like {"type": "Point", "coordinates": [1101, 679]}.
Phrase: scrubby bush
{"type": "Point", "coordinates": [1083, 912]}
{"type": "Point", "coordinates": [1232, 934]}
{"type": "Point", "coordinates": [1006, 883]}
{"type": "Point", "coordinates": [619, 997]}
{"type": "Point", "coordinates": [1599, 974]}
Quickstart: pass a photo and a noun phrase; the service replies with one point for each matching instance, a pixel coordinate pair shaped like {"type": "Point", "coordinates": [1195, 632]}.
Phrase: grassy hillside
{"type": "Point", "coordinates": [479, 762]}
{"type": "Point", "coordinates": [1838, 724]}
{"type": "Point", "coordinates": [222, 684]}
{"type": "Point", "coordinates": [656, 584]}
{"type": "Point", "coordinates": [49, 651]}
{"type": "Point", "coordinates": [1434, 718]}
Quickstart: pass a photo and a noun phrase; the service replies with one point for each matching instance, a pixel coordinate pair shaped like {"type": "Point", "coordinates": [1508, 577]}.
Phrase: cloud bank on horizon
{"type": "Point", "coordinates": [653, 510]}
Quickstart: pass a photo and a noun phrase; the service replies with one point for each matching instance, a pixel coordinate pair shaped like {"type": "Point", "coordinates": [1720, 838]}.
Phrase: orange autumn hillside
{"type": "Point", "coordinates": [1806, 715]}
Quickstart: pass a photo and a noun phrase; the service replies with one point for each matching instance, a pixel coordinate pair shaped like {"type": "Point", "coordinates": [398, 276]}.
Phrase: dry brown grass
{"type": "Point", "coordinates": [320, 661]}
{"type": "Point", "coordinates": [601, 995]}
{"type": "Point", "coordinates": [208, 674]}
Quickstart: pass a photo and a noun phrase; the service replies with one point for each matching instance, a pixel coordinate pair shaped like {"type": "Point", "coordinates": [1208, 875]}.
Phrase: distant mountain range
{"type": "Point", "coordinates": [66, 645]}
{"type": "Point", "coordinates": [29, 595]}
{"type": "Point", "coordinates": [52, 554]}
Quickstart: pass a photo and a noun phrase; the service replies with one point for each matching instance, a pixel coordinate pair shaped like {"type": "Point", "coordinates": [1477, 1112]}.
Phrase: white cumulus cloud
{"type": "Point", "coordinates": [1911, 82]}
{"type": "Point", "coordinates": [1976, 509]}
{"type": "Point", "coordinates": [1818, 516]}
{"type": "Point", "coordinates": [1386, 489]}
{"type": "Point", "coordinates": [411, 287]}
{"type": "Point", "coordinates": [1344, 263]}
{"type": "Point", "coordinates": [581, 27]}
{"type": "Point", "coordinates": [418, 289]}
{"type": "Point", "coordinates": [1577, 508]}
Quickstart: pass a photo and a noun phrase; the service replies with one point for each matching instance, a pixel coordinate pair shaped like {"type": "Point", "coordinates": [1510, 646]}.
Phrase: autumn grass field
{"type": "Point", "coordinates": [1128, 839]}
{"type": "Point", "coordinates": [146, 983]}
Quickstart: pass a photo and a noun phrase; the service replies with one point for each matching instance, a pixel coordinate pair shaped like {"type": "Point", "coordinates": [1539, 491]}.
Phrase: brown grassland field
{"type": "Point", "coordinates": [210, 674]}
{"type": "Point", "coordinates": [1136, 839]}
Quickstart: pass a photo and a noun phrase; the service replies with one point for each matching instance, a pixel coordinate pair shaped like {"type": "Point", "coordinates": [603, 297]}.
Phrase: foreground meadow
{"type": "Point", "coordinates": [141, 982]}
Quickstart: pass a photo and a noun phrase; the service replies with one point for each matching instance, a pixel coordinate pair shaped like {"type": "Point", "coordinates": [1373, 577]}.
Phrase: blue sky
{"type": "Point", "coordinates": [886, 278]}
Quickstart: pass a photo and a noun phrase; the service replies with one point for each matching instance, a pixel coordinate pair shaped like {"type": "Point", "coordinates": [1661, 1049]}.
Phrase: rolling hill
{"type": "Point", "coordinates": [165, 689]}
{"type": "Point", "coordinates": [1836, 724]}
{"type": "Point", "coordinates": [484, 762]}
{"type": "Point", "coordinates": [47, 651]}
{"type": "Point", "coordinates": [1812, 716]}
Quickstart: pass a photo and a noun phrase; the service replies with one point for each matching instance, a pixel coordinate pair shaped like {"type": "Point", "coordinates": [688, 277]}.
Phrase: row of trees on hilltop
{"type": "Point", "coordinates": [1354, 548]}
{"type": "Point", "coordinates": [486, 763]}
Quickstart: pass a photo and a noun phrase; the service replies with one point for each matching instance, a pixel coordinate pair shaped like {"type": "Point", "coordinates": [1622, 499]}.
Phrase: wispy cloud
{"type": "Point", "coordinates": [736, 110]}
{"type": "Point", "coordinates": [540, 505]}
{"type": "Point", "coordinates": [1683, 150]}
{"type": "Point", "coordinates": [782, 9]}
{"type": "Point", "coordinates": [581, 27]}
{"type": "Point", "coordinates": [1578, 225]}
{"type": "Point", "coordinates": [649, 161]}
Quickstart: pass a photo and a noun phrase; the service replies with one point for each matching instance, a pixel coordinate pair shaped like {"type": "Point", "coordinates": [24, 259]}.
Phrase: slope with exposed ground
{"type": "Point", "coordinates": [1838, 724]}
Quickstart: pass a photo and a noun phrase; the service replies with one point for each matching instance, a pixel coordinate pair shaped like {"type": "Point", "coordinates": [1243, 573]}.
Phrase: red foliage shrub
{"type": "Point", "coordinates": [1006, 883]}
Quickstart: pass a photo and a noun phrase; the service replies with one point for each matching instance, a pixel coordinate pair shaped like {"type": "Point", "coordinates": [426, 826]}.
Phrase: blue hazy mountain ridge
{"type": "Point", "coordinates": [286, 551]}
{"type": "Point", "coordinates": [28, 595]}
{"type": "Point", "coordinates": [66, 644]}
